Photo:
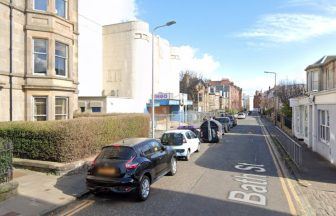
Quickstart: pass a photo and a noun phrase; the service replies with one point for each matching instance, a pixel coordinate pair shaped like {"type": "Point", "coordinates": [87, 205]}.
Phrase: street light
{"type": "Point", "coordinates": [153, 64]}
{"type": "Point", "coordinates": [275, 110]}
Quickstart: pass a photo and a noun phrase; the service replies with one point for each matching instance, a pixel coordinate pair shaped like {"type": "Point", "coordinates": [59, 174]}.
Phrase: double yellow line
{"type": "Point", "coordinates": [78, 208]}
{"type": "Point", "coordinates": [286, 185]}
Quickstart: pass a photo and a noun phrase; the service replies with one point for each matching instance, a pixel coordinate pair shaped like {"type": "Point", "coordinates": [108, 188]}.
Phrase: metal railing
{"type": "Point", "coordinates": [6, 161]}
{"type": "Point", "coordinates": [288, 122]}
{"type": "Point", "coordinates": [294, 150]}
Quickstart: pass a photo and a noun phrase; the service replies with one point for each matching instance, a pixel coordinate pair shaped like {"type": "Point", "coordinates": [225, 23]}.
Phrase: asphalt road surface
{"type": "Point", "coordinates": [234, 177]}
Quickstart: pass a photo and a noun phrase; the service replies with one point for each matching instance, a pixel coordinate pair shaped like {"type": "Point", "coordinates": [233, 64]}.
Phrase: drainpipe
{"type": "Point", "coordinates": [11, 60]}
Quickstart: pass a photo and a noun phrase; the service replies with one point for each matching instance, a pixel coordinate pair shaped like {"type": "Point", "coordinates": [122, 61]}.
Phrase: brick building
{"type": "Point", "coordinates": [230, 93]}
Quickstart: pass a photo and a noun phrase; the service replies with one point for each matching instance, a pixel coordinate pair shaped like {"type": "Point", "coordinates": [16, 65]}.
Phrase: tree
{"type": "Point", "coordinates": [190, 83]}
{"type": "Point", "coordinates": [287, 90]}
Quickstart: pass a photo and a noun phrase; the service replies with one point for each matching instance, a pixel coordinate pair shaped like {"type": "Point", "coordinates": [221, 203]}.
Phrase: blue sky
{"type": "Point", "coordinates": [242, 38]}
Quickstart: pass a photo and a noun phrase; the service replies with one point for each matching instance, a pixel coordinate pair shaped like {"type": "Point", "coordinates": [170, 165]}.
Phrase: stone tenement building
{"type": "Point", "coordinates": [257, 100]}
{"type": "Point", "coordinates": [229, 92]}
{"type": "Point", "coordinates": [38, 64]}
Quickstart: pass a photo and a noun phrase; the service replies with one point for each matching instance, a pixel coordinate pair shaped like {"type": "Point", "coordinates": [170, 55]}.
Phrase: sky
{"type": "Point", "coordinates": [239, 39]}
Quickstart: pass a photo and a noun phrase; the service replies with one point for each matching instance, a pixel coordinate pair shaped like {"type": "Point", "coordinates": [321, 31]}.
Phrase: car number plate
{"type": "Point", "coordinates": [107, 171]}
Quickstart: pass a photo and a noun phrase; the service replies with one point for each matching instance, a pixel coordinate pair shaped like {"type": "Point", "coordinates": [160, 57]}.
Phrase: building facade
{"type": "Point", "coordinates": [38, 64]}
{"type": "Point", "coordinates": [257, 100]}
{"type": "Point", "coordinates": [314, 116]}
{"type": "Point", "coordinates": [127, 64]}
{"type": "Point", "coordinates": [231, 94]}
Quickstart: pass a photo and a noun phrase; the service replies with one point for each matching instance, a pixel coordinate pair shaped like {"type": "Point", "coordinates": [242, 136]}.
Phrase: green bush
{"type": "Point", "coordinates": [66, 141]}
{"type": "Point", "coordinates": [5, 159]}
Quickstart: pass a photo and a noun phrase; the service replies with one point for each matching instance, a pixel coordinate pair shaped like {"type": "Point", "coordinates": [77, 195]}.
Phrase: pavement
{"type": "Point", "coordinates": [237, 176]}
{"type": "Point", "coordinates": [39, 193]}
{"type": "Point", "coordinates": [316, 177]}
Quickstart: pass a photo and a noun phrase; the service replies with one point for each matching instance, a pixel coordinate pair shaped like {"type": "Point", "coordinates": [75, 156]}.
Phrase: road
{"type": "Point", "coordinates": [214, 182]}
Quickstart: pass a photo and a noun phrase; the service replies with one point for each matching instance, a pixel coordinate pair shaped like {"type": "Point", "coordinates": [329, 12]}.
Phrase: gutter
{"type": "Point", "coordinates": [11, 60]}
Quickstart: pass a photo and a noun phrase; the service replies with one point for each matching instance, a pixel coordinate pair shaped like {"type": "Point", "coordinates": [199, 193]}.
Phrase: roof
{"type": "Point", "coordinates": [324, 60]}
{"type": "Point", "coordinates": [130, 142]}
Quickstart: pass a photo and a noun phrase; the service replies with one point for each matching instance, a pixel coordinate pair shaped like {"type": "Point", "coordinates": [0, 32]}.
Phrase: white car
{"type": "Point", "coordinates": [241, 116]}
{"type": "Point", "coordinates": [184, 142]}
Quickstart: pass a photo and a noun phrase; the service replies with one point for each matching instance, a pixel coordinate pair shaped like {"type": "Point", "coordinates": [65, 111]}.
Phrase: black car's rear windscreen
{"type": "Point", "coordinates": [116, 153]}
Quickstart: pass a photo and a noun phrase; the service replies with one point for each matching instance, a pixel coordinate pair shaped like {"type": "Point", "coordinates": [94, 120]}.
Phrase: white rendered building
{"type": "Point", "coordinates": [314, 116]}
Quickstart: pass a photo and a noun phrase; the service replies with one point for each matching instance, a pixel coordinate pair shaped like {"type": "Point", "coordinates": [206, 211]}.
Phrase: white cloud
{"type": "Point", "coordinates": [282, 28]}
{"type": "Point", "coordinates": [321, 5]}
{"type": "Point", "coordinates": [205, 65]}
{"type": "Point", "coordinates": [106, 12]}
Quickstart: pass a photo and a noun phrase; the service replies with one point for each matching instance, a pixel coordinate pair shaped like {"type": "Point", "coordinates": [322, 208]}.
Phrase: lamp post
{"type": "Point", "coordinates": [153, 64]}
{"type": "Point", "coordinates": [275, 110]}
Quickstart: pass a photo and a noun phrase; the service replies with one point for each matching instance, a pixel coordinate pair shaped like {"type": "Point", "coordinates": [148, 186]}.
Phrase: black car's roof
{"type": "Point", "coordinates": [130, 142]}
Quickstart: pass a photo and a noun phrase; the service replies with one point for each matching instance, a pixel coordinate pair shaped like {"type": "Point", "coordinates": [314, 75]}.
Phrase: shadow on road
{"type": "Point", "coordinates": [244, 144]}
{"type": "Point", "coordinates": [166, 202]}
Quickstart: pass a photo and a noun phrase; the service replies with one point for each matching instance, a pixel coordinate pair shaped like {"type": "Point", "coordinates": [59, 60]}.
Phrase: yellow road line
{"type": "Point", "coordinates": [281, 174]}
{"type": "Point", "coordinates": [78, 208]}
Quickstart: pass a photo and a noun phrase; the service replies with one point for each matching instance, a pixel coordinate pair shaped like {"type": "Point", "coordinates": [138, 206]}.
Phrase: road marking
{"type": "Point", "coordinates": [78, 208]}
{"type": "Point", "coordinates": [280, 173]}
{"type": "Point", "coordinates": [251, 182]}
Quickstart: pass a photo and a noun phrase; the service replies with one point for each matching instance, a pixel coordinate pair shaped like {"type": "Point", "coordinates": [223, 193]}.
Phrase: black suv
{"type": "Point", "coordinates": [131, 165]}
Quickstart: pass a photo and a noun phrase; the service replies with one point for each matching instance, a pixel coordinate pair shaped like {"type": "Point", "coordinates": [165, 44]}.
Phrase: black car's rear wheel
{"type": "Point", "coordinates": [173, 166]}
{"type": "Point", "coordinates": [143, 189]}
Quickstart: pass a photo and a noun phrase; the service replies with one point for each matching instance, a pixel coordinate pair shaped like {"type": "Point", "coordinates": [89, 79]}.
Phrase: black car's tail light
{"type": "Point", "coordinates": [130, 164]}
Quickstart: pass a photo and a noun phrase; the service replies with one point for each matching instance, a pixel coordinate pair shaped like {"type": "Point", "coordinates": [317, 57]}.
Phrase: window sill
{"type": "Point", "coordinates": [325, 142]}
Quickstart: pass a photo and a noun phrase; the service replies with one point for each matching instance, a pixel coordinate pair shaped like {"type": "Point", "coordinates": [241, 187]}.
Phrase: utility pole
{"type": "Point", "coordinates": [153, 70]}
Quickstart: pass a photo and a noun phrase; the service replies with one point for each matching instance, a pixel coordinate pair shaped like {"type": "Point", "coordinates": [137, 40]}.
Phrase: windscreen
{"type": "Point", "coordinates": [116, 153]}
{"type": "Point", "coordinates": [172, 139]}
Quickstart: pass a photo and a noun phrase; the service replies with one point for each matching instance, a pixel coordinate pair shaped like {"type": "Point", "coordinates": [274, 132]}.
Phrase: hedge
{"type": "Point", "coordinates": [71, 140]}
{"type": "Point", "coordinates": [5, 160]}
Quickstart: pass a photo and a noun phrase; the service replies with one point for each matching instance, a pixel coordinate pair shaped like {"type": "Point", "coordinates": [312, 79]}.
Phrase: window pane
{"type": "Point", "coordinates": [96, 109]}
{"type": "Point", "coordinates": [40, 63]}
{"type": "Point", "coordinates": [60, 117]}
{"type": "Point", "coordinates": [40, 46]}
{"type": "Point", "coordinates": [61, 59]}
{"type": "Point", "coordinates": [60, 66]}
{"type": "Point", "coordinates": [61, 49]}
{"type": "Point", "coordinates": [61, 8]}
{"type": "Point", "coordinates": [41, 118]}
{"type": "Point", "coordinates": [40, 5]}
{"type": "Point", "coordinates": [40, 106]}
{"type": "Point", "coordinates": [61, 108]}
{"type": "Point", "coordinates": [323, 117]}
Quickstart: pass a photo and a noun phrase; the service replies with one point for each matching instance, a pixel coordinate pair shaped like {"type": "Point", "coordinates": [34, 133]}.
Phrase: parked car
{"type": "Point", "coordinates": [184, 142]}
{"type": "Point", "coordinates": [211, 130]}
{"type": "Point", "coordinates": [241, 116]}
{"type": "Point", "coordinates": [191, 128]}
{"type": "Point", "coordinates": [131, 165]}
{"type": "Point", "coordinates": [233, 120]}
{"type": "Point", "coordinates": [226, 123]}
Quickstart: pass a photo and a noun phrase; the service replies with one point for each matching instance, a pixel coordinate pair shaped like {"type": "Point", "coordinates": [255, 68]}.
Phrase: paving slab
{"type": "Point", "coordinates": [39, 193]}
